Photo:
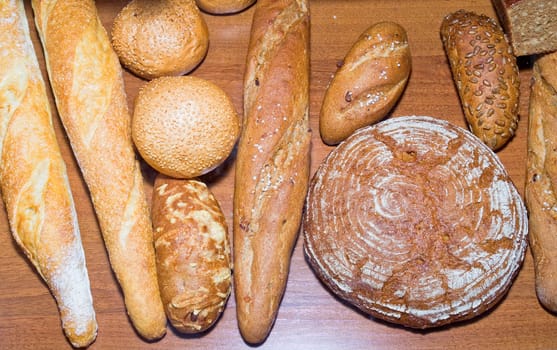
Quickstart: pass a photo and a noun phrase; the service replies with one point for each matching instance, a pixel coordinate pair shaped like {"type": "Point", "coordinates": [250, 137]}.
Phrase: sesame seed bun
{"type": "Point", "coordinates": [160, 38]}
{"type": "Point", "coordinates": [184, 126]}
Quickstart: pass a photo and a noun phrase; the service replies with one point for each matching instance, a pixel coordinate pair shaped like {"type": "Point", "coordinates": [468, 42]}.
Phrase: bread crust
{"type": "Point", "coordinates": [272, 165]}
{"type": "Point", "coordinates": [541, 178]}
{"type": "Point", "coordinates": [393, 227]}
{"type": "Point", "coordinates": [485, 73]}
{"type": "Point", "coordinates": [223, 7]}
{"type": "Point", "coordinates": [193, 253]}
{"type": "Point", "coordinates": [34, 181]}
{"type": "Point", "coordinates": [86, 79]}
{"type": "Point", "coordinates": [370, 81]}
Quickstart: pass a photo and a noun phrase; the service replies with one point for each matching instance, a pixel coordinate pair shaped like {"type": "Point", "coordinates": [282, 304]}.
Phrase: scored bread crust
{"type": "Point", "coordinates": [541, 178]}
{"type": "Point", "coordinates": [415, 221]}
{"type": "Point", "coordinates": [272, 165]}
{"type": "Point", "coordinates": [88, 87]}
{"type": "Point", "coordinates": [34, 182]}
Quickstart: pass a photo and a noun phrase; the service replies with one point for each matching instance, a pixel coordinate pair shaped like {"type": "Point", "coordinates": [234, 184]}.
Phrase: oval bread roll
{"type": "Point", "coordinates": [160, 38]}
{"type": "Point", "coordinates": [416, 222]}
{"type": "Point", "coordinates": [368, 84]}
{"type": "Point", "coordinates": [221, 7]}
{"type": "Point", "coordinates": [193, 254]}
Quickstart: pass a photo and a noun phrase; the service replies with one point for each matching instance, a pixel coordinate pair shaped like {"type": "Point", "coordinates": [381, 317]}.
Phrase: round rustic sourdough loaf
{"type": "Point", "coordinates": [415, 221]}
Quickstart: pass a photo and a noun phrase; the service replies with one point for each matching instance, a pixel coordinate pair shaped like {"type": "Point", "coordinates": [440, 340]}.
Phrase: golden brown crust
{"type": "Point", "coordinates": [34, 182]}
{"type": "Point", "coordinates": [370, 81]}
{"type": "Point", "coordinates": [87, 83]}
{"type": "Point", "coordinates": [221, 7]}
{"type": "Point", "coordinates": [393, 227]}
{"type": "Point", "coordinates": [541, 178]}
{"type": "Point", "coordinates": [160, 38]}
{"type": "Point", "coordinates": [193, 254]}
{"type": "Point", "coordinates": [485, 73]}
{"type": "Point", "coordinates": [184, 126]}
{"type": "Point", "coordinates": [272, 166]}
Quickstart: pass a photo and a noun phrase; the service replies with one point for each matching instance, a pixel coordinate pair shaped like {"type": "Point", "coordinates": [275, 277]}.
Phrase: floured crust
{"type": "Point", "coordinates": [416, 222]}
{"type": "Point", "coordinates": [193, 253]}
{"type": "Point", "coordinates": [541, 178]}
{"type": "Point", "coordinates": [34, 181]}
{"type": "Point", "coordinates": [87, 83]}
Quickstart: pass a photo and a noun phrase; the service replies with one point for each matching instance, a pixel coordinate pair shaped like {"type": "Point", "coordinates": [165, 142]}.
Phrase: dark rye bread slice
{"type": "Point", "coordinates": [415, 221]}
{"type": "Point", "coordinates": [530, 24]}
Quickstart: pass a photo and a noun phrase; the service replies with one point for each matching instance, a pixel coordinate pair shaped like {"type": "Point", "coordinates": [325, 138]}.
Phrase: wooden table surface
{"type": "Point", "coordinates": [309, 317]}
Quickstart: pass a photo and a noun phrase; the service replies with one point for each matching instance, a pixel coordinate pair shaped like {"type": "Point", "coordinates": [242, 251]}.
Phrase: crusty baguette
{"type": "Point", "coordinates": [193, 253]}
{"type": "Point", "coordinates": [272, 166]}
{"type": "Point", "coordinates": [485, 72]}
{"type": "Point", "coordinates": [34, 181]}
{"type": "Point", "coordinates": [87, 82]}
{"type": "Point", "coordinates": [541, 179]}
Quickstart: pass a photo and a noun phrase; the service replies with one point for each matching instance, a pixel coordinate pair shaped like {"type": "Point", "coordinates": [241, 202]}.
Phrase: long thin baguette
{"type": "Point", "coordinates": [34, 181]}
{"type": "Point", "coordinates": [541, 180]}
{"type": "Point", "coordinates": [272, 166]}
{"type": "Point", "coordinates": [87, 82]}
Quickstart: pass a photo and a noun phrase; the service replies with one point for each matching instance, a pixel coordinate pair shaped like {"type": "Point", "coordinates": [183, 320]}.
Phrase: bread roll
{"type": "Point", "coordinates": [222, 7]}
{"type": "Point", "coordinates": [160, 38]}
{"type": "Point", "coordinates": [416, 222]}
{"type": "Point", "coordinates": [530, 24]}
{"type": "Point", "coordinates": [193, 254]}
{"type": "Point", "coordinates": [272, 165]}
{"type": "Point", "coordinates": [34, 182]}
{"type": "Point", "coordinates": [485, 73]}
{"type": "Point", "coordinates": [184, 126]}
{"type": "Point", "coordinates": [88, 87]}
{"type": "Point", "coordinates": [541, 176]}
{"type": "Point", "coordinates": [370, 81]}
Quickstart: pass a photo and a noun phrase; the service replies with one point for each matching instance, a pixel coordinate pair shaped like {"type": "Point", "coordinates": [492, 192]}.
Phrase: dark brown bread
{"type": "Point", "coordinates": [272, 166]}
{"type": "Point", "coordinates": [485, 73]}
{"type": "Point", "coordinates": [415, 221]}
{"type": "Point", "coordinates": [541, 178]}
{"type": "Point", "coordinates": [370, 81]}
{"type": "Point", "coordinates": [530, 24]}
{"type": "Point", "coordinates": [193, 254]}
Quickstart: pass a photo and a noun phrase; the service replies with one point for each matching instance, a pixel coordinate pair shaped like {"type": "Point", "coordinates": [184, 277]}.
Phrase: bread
{"type": "Point", "coordinates": [540, 191]}
{"type": "Point", "coordinates": [86, 80]}
{"type": "Point", "coordinates": [485, 73]}
{"type": "Point", "coordinates": [193, 253]}
{"type": "Point", "coordinates": [416, 222]}
{"type": "Point", "coordinates": [222, 7]}
{"type": "Point", "coordinates": [34, 182]}
{"type": "Point", "coordinates": [160, 38]}
{"type": "Point", "coordinates": [272, 164]}
{"type": "Point", "coordinates": [530, 24]}
{"type": "Point", "coordinates": [184, 126]}
{"type": "Point", "coordinates": [370, 81]}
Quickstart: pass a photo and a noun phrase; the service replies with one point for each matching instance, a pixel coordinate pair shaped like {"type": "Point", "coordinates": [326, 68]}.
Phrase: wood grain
{"type": "Point", "coordinates": [309, 317]}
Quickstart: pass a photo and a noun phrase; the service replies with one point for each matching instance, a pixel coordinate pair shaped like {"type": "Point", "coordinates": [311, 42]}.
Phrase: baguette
{"type": "Point", "coordinates": [193, 253]}
{"type": "Point", "coordinates": [34, 182]}
{"type": "Point", "coordinates": [541, 179]}
{"type": "Point", "coordinates": [87, 83]}
{"type": "Point", "coordinates": [272, 166]}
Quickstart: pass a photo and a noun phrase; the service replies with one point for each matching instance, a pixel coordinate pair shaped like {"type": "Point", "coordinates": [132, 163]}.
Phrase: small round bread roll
{"type": "Point", "coordinates": [222, 7]}
{"type": "Point", "coordinates": [184, 126]}
{"type": "Point", "coordinates": [415, 221]}
{"type": "Point", "coordinates": [160, 38]}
